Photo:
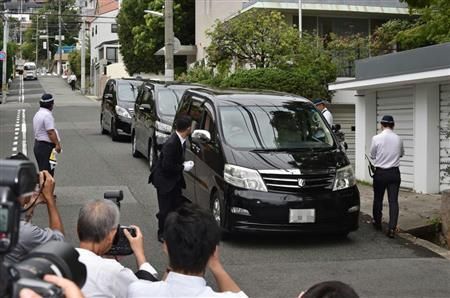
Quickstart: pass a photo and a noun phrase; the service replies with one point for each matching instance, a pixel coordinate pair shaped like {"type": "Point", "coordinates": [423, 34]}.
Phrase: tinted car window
{"type": "Point", "coordinates": [29, 67]}
{"type": "Point", "coordinates": [209, 125]}
{"type": "Point", "coordinates": [196, 112]}
{"type": "Point", "coordinates": [292, 126]}
{"type": "Point", "coordinates": [167, 102]}
{"type": "Point", "coordinates": [127, 91]}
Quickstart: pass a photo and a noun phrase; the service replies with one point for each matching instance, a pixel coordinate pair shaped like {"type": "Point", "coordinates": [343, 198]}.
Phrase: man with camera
{"type": "Point", "coordinates": [30, 235]}
{"type": "Point", "coordinates": [98, 223]}
{"type": "Point", "coordinates": [191, 239]}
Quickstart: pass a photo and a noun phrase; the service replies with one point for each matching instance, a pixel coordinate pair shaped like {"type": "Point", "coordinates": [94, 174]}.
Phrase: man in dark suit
{"type": "Point", "coordinates": [167, 173]}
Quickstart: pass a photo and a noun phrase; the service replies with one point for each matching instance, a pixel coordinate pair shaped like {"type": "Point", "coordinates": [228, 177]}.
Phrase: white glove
{"type": "Point", "coordinates": [188, 165]}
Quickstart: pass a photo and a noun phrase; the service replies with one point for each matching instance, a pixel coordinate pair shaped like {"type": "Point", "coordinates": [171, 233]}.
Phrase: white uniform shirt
{"type": "Point", "coordinates": [177, 285]}
{"type": "Point", "coordinates": [107, 277]}
{"type": "Point", "coordinates": [386, 149]}
{"type": "Point", "coordinates": [327, 114]}
{"type": "Point", "coordinates": [43, 121]}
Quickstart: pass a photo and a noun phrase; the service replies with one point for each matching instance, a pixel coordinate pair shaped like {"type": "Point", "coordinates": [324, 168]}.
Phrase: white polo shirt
{"type": "Point", "coordinates": [107, 277]}
{"type": "Point", "coordinates": [386, 149]}
{"type": "Point", "coordinates": [177, 285]}
{"type": "Point", "coordinates": [43, 121]}
{"type": "Point", "coordinates": [327, 114]}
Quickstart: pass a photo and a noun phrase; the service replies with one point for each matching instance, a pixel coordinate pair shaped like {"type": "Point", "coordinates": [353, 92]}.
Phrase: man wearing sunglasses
{"type": "Point", "coordinates": [30, 235]}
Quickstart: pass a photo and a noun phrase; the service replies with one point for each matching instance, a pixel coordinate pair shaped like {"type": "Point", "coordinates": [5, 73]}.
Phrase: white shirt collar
{"type": "Point", "coordinates": [185, 280]}
{"type": "Point", "coordinates": [182, 140]}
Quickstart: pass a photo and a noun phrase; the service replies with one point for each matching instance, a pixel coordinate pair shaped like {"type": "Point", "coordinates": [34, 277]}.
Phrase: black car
{"type": "Point", "coordinates": [117, 106]}
{"type": "Point", "coordinates": [267, 162]}
{"type": "Point", "coordinates": [154, 111]}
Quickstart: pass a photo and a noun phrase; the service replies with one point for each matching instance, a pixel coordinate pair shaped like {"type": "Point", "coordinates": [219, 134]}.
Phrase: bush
{"type": "Point", "coordinates": [291, 81]}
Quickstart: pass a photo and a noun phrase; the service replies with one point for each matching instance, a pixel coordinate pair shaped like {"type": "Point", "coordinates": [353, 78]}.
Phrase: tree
{"type": "Point", "coordinates": [141, 35]}
{"type": "Point", "coordinates": [257, 37]}
{"type": "Point", "coordinates": [75, 62]}
{"type": "Point", "coordinates": [384, 39]}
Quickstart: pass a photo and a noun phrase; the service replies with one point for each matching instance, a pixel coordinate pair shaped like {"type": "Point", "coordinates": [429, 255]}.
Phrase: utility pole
{"type": "Point", "coordinates": [83, 57]}
{"type": "Point", "coordinates": [37, 39]}
{"type": "Point", "coordinates": [300, 13]}
{"type": "Point", "coordinates": [5, 49]}
{"type": "Point", "coordinates": [48, 47]}
{"type": "Point", "coordinates": [20, 30]}
{"type": "Point", "coordinates": [60, 41]}
{"type": "Point", "coordinates": [168, 36]}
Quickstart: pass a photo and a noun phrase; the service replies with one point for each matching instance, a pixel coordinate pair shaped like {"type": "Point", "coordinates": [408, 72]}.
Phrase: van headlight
{"type": "Point", "coordinates": [163, 127]}
{"type": "Point", "coordinates": [243, 177]}
{"type": "Point", "coordinates": [345, 178]}
{"type": "Point", "coordinates": [122, 112]}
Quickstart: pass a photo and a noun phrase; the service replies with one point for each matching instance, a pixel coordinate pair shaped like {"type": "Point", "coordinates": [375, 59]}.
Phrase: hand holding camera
{"type": "Point", "coordinates": [47, 186]}
{"type": "Point", "coordinates": [188, 165]}
{"type": "Point", "coordinates": [137, 244]}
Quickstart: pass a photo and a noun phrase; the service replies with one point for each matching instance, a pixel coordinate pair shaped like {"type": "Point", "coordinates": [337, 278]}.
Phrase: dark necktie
{"type": "Point", "coordinates": [184, 148]}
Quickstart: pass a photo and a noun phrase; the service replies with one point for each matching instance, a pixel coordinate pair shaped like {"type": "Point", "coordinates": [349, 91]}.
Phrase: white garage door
{"type": "Point", "coordinates": [400, 104]}
{"type": "Point", "coordinates": [445, 136]}
{"type": "Point", "coordinates": [345, 116]}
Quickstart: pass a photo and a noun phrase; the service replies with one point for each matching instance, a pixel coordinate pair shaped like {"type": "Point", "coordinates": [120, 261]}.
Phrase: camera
{"type": "Point", "coordinates": [121, 245]}
{"type": "Point", "coordinates": [17, 179]}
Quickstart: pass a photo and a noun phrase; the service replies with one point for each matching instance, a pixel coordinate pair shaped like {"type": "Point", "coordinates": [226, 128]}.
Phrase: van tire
{"type": "Point", "coordinates": [151, 153]}
{"type": "Point", "coordinates": [103, 130]}
{"type": "Point", "coordinates": [217, 206]}
{"type": "Point", "coordinates": [114, 133]}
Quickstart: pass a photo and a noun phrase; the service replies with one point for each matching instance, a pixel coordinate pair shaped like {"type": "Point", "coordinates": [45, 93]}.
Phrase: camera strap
{"type": "Point", "coordinates": [371, 167]}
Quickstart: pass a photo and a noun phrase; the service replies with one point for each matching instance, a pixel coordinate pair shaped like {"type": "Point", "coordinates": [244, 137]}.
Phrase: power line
{"type": "Point", "coordinates": [56, 14]}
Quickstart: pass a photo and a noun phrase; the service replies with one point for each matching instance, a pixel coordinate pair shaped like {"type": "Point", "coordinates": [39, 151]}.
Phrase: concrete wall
{"type": "Point", "coordinates": [206, 13]}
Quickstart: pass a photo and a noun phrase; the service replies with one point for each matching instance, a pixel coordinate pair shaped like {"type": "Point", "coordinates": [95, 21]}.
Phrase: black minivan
{"type": "Point", "coordinates": [117, 106]}
{"type": "Point", "coordinates": [267, 162]}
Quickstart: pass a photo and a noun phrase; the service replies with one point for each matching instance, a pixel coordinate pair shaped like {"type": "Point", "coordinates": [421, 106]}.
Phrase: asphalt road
{"type": "Point", "coordinates": [263, 265]}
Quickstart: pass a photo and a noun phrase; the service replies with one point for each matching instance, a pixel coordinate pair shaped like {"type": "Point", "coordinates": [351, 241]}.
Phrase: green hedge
{"type": "Point", "coordinates": [291, 81]}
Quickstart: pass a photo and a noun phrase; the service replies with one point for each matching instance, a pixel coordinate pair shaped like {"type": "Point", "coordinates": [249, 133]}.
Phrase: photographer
{"type": "Point", "coordinates": [70, 289]}
{"type": "Point", "coordinates": [31, 236]}
{"type": "Point", "coordinates": [97, 226]}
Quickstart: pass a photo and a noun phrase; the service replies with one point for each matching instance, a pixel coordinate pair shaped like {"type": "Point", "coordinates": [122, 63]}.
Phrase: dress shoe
{"type": "Point", "coordinates": [391, 233]}
{"type": "Point", "coordinates": [376, 225]}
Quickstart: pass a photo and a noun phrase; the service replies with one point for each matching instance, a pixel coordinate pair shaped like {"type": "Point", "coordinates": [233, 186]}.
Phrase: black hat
{"type": "Point", "coordinates": [46, 97]}
{"type": "Point", "coordinates": [318, 101]}
{"type": "Point", "coordinates": [387, 119]}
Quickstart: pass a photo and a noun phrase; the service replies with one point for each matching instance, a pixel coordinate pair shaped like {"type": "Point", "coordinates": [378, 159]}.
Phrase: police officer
{"type": "Point", "coordinates": [45, 134]}
{"type": "Point", "coordinates": [385, 151]}
{"type": "Point", "coordinates": [320, 104]}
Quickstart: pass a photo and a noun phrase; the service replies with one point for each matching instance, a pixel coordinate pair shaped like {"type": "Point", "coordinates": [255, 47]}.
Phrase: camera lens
{"type": "Point", "coordinates": [54, 257]}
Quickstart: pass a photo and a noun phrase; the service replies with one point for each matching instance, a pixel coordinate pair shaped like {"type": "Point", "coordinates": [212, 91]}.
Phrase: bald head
{"type": "Point", "coordinates": [96, 220]}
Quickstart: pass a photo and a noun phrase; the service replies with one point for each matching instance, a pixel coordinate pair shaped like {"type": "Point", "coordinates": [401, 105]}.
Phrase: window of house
{"type": "Point", "coordinates": [95, 29]}
{"type": "Point", "coordinates": [92, 31]}
{"type": "Point", "coordinates": [101, 53]}
{"type": "Point", "coordinates": [111, 55]}
{"type": "Point", "coordinates": [113, 28]}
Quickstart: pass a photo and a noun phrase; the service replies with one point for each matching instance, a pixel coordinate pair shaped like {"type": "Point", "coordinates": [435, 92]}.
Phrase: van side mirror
{"type": "Point", "coordinates": [108, 96]}
{"type": "Point", "coordinates": [201, 136]}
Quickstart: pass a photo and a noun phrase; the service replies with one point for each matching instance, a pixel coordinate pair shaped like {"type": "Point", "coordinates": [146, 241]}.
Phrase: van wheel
{"type": "Point", "coordinates": [102, 129]}
{"type": "Point", "coordinates": [134, 150]}
{"type": "Point", "coordinates": [218, 212]}
{"type": "Point", "coordinates": [151, 153]}
{"type": "Point", "coordinates": [114, 133]}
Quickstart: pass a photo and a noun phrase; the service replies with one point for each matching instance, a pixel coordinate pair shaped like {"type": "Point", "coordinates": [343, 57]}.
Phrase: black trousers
{"type": "Point", "coordinates": [42, 151]}
{"type": "Point", "coordinates": [167, 202]}
{"type": "Point", "coordinates": [386, 179]}
{"type": "Point", "coordinates": [72, 84]}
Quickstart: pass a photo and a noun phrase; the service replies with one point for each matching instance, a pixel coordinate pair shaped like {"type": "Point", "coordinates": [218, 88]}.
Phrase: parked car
{"type": "Point", "coordinates": [29, 71]}
{"type": "Point", "coordinates": [267, 162]}
{"type": "Point", "coordinates": [154, 111]}
{"type": "Point", "coordinates": [117, 106]}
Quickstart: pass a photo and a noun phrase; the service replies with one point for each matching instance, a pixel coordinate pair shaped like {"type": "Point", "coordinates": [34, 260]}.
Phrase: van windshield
{"type": "Point", "coordinates": [294, 125]}
{"type": "Point", "coordinates": [128, 91]}
{"type": "Point", "coordinates": [29, 67]}
{"type": "Point", "coordinates": [167, 102]}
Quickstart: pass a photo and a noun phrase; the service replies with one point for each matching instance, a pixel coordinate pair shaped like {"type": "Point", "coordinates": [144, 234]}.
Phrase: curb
{"type": "Point", "coordinates": [420, 242]}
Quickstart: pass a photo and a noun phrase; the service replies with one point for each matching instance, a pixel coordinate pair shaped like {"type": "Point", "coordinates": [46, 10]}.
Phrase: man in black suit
{"type": "Point", "coordinates": [167, 173]}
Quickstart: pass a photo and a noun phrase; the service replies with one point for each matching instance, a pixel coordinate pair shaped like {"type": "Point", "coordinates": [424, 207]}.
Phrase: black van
{"type": "Point", "coordinates": [117, 106]}
{"type": "Point", "coordinates": [267, 162]}
{"type": "Point", "coordinates": [154, 110]}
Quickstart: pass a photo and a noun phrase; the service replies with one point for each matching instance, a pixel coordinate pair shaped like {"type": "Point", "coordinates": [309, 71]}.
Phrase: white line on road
{"type": "Point", "coordinates": [24, 133]}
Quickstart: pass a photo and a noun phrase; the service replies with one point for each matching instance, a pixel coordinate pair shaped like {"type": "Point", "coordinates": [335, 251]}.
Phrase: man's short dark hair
{"type": "Point", "coordinates": [330, 289]}
{"type": "Point", "coordinates": [46, 105]}
{"type": "Point", "coordinates": [191, 235]}
{"type": "Point", "coordinates": [183, 122]}
{"type": "Point", "coordinates": [390, 125]}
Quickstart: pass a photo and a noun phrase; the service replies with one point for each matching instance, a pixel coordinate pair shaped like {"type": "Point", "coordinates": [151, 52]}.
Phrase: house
{"type": "Point", "coordinates": [104, 42]}
{"type": "Point", "coordinates": [414, 87]}
{"type": "Point", "coordinates": [322, 17]}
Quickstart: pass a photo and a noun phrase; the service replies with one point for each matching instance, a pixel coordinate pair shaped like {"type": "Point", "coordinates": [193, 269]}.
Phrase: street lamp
{"type": "Point", "coordinates": [168, 38]}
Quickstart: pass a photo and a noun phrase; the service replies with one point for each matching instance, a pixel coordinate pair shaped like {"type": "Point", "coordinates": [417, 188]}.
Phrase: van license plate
{"type": "Point", "coordinates": [302, 215]}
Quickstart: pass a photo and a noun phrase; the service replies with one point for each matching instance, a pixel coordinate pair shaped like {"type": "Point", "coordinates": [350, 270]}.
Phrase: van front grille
{"type": "Point", "coordinates": [289, 181]}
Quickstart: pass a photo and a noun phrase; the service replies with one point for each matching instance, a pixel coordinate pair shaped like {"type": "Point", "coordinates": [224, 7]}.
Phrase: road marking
{"type": "Point", "coordinates": [24, 133]}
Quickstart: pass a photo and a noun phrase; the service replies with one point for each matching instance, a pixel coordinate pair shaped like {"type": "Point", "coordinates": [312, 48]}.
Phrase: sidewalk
{"type": "Point", "coordinates": [416, 210]}
{"type": "Point", "coordinates": [59, 88]}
